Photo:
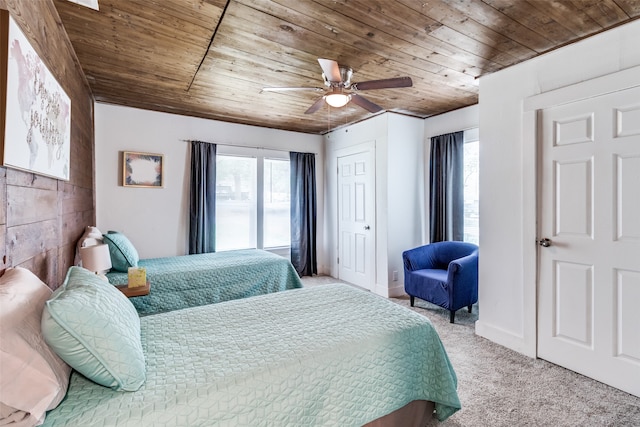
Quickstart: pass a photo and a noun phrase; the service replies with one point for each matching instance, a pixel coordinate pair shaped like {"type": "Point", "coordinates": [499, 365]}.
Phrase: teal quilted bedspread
{"type": "Point", "coordinates": [192, 280]}
{"type": "Point", "coordinates": [329, 355]}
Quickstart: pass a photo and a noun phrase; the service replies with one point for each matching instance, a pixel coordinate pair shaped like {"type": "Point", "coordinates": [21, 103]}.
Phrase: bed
{"type": "Point", "coordinates": [321, 356]}
{"type": "Point", "coordinates": [191, 280]}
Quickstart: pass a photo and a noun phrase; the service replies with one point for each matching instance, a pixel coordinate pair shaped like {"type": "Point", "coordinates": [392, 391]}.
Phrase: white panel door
{"type": "Point", "coordinates": [589, 270]}
{"type": "Point", "coordinates": [356, 211]}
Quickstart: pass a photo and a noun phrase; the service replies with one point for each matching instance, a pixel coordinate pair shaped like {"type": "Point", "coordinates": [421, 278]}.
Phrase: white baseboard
{"type": "Point", "coordinates": [505, 338]}
{"type": "Point", "coordinates": [388, 292]}
{"type": "Point", "coordinates": [396, 291]}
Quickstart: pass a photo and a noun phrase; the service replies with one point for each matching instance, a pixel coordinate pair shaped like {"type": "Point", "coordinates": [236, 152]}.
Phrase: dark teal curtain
{"type": "Point", "coordinates": [446, 177]}
{"type": "Point", "coordinates": [202, 200]}
{"type": "Point", "coordinates": [303, 213]}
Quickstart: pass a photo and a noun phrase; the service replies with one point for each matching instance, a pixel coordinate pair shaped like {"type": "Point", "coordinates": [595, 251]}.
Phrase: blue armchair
{"type": "Point", "coordinates": [443, 273]}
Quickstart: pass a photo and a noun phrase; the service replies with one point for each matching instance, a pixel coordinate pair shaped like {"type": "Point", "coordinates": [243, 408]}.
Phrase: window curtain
{"type": "Point", "coordinates": [303, 213]}
{"type": "Point", "coordinates": [446, 175]}
{"type": "Point", "coordinates": [202, 200]}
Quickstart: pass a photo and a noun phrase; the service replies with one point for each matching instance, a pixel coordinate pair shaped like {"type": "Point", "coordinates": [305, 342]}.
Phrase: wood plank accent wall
{"type": "Point", "coordinates": [42, 218]}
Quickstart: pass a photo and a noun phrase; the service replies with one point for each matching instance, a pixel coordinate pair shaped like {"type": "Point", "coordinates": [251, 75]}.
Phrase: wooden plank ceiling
{"type": "Point", "coordinates": [211, 58]}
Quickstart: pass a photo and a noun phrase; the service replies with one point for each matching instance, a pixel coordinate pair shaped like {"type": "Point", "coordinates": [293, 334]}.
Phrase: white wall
{"type": "Point", "coordinates": [405, 194]}
{"type": "Point", "coordinates": [454, 121]}
{"type": "Point", "coordinates": [156, 220]}
{"type": "Point", "coordinates": [507, 177]}
{"type": "Point", "coordinates": [399, 191]}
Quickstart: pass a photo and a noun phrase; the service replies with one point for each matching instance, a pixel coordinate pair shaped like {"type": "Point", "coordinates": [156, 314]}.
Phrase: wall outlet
{"type": "Point", "coordinates": [394, 275]}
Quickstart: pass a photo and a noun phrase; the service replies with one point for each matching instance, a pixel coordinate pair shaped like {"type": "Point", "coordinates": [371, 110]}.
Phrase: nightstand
{"type": "Point", "coordinates": [135, 292]}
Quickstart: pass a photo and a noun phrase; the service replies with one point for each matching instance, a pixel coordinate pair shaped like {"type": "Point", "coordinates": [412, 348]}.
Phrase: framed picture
{"type": "Point", "coordinates": [142, 169]}
{"type": "Point", "coordinates": [36, 112]}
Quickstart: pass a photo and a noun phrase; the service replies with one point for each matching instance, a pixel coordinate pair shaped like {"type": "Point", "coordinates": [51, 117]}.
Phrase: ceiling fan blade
{"type": "Point", "coordinates": [330, 69]}
{"type": "Point", "coordinates": [291, 89]}
{"type": "Point", "coordinates": [365, 103]}
{"type": "Point", "coordinates": [383, 84]}
{"type": "Point", "coordinates": [316, 106]}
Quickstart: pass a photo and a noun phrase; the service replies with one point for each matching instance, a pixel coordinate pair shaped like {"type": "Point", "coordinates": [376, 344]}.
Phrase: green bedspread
{"type": "Point", "coordinates": [329, 355]}
{"type": "Point", "coordinates": [192, 280]}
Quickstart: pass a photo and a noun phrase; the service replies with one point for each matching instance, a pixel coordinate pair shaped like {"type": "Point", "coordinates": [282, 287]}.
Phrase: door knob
{"type": "Point", "coordinates": [545, 243]}
{"type": "Point", "coordinates": [366, 227]}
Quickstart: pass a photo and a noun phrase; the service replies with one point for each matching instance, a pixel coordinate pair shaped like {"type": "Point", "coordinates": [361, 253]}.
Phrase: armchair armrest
{"type": "Point", "coordinates": [462, 273]}
{"type": "Point", "coordinates": [465, 265]}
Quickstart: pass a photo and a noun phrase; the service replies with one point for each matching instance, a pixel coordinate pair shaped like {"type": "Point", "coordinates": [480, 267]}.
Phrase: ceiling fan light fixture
{"type": "Point", "coordinates": [337, 100]}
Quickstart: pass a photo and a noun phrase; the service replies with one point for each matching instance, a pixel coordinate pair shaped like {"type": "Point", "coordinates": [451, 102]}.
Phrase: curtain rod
{"type": "Point", "coordinates": [465, 129]}
{"type": "Point", "coordinates": [429, 135]}
{"type": "Point", "coordinates": [245, 146]}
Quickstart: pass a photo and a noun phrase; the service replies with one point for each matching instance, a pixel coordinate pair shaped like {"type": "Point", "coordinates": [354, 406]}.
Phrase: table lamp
{"type": "Point", "coordinates": [96, 258]}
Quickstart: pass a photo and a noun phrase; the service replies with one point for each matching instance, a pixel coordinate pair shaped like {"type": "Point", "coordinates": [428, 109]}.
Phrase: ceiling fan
{"type": "Point", "coordinates": [340, 90]}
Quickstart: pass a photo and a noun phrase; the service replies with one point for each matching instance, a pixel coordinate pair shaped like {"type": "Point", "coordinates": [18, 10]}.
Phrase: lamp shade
{"type": "Point", "coordinates": [96, 258]}
{"type": "Point", "coordinates": [337, 100]}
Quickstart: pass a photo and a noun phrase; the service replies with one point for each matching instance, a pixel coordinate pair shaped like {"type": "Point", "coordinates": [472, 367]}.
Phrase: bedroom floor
{"type": "Point", "coordinates": [500, 387]}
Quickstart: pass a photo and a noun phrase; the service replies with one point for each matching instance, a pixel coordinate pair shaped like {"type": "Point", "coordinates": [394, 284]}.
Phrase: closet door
{"type": "Point", "coordinates": [356, 219]}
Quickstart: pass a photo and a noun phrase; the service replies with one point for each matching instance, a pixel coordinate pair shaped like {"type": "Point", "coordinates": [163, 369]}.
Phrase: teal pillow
{"type": "Point", "coordinates": [123, 253]}
{"type": "Point", "coordinates": [93, 327]}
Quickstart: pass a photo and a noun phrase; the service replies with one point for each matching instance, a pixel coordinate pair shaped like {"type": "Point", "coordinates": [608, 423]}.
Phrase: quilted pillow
{"type": "Point", "coordinates": [123, 253]}
{"type": "Point", "coordinates": [93, 327]}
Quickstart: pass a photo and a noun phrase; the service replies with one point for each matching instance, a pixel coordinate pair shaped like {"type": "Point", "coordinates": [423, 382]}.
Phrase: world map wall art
{"type": "Point", "coordinates": [37, 111]}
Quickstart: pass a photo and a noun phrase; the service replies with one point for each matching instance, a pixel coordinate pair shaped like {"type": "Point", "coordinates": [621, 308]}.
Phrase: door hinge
{"type": "Point", "coordinates": [338, 260]}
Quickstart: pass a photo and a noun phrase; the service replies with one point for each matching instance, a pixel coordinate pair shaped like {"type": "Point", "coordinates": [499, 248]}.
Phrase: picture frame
{"type": "Point", "coordinates": [144, 170]}
{"type": "Point", "coordinates": [35, 117]}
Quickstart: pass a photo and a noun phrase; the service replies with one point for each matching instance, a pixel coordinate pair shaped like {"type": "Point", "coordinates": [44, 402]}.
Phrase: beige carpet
{"type": "Point", "coordinates": [499, 387]}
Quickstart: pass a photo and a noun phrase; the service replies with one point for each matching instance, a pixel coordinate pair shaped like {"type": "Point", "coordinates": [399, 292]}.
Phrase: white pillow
{"type": "Point", "coordinates": [33, 379]}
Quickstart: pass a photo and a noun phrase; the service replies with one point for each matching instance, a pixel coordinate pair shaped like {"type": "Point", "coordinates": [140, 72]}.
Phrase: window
{"type": "Point", "coordinates": [277, 205]}
{"type": "Point", "coordinates": [252, 199]}
{"type": "Point", "coordinates": [236, 202]}
{"type": "Point", "coordinates": [471, 187]}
